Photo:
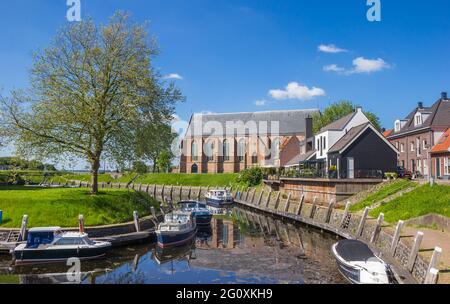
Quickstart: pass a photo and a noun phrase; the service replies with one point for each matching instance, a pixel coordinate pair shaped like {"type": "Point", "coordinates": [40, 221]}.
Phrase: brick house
{"type": "Point", "coordinates": [415, 135]}
{"type": "Point", "coordinates": [440, 156]}
{"type": "Point", "coordinates": [231, 142]}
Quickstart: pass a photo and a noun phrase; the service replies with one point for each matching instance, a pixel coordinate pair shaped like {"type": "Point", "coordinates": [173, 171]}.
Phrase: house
{"type": "Point", "coordinates": [231, 142]}
{"type": "Point", "coordinates": [417, 133]}
{"type": "Point", "coordinates": [440, 157]}
{"type": "Point", "coordinates": [363, 152]}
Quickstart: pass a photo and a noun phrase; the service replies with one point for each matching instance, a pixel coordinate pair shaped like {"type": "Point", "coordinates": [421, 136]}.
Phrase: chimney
{"type": "Point", "coordinates": [358, 109]}
{"type": "Point", "coordinates": [444, 95]}
{"type": "Point", "coordinates": [309, 127]}
{"type": "Point", "coordinates": [420, 105]}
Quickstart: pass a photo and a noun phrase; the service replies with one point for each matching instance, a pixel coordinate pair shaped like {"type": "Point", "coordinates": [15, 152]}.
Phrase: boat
{"type": "Point", "coordinates": [178, 228]}
{"type": "Point", "coordinates": [165, 255]}
{"type": "Point", "coordinates": [219, 198]}
{"type": "Point", "coordinates": [199, 210]}
{"type": "Point", "coordinates": [359, 265]}
{"type": "Point", "coordinates": [51, 244]}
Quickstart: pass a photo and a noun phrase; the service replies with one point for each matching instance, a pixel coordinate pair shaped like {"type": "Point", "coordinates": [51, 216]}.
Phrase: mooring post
{"type": "Point", "coordinates": [81, 223]}
{"type": "Point", "coordinates": [414, 251]}
{"type": "Point", "coordinates": [260, 197]}
{"type": "Point", "coordinates": [146, 188]}
{"type": "Point", "coordinates": [199, 193]}
{"type": "Point", "coordinates": [253, 196]}
{"type": "Point", "coordinates": [377, 230]}
{"type": "Point", "coordinates": [277, 201]}
{"type": "Point", "coordinates": [300, 205]}
{"type": "Point", "coordinates": [396, 237]}
{"type": "Point", "coordinates": [162, 191]}
{"type": "Point", "coordinates": [140, 187]}
{"type": "Point", "coordinates": [171, 193]}
{"type": "Point", "coordinates": [23, 228]}
{"type": "Point", "coordinates": [362, 222]}
{"type": "Point", "coordinates": [268, 198]}
{"type": "Point", "coordinates": [313, 208]}
{"type": "Point", "coordinates": [154, 191]}
{"type": "Point", "coordinates": [329, 211]}
{"type": "Point", "coordinates": [434, 262]}
{"type": "Point", "coordinates": [189, 193]}
{"type": "Point", "coordinates": [181, 192]}
{"type": "Point", "coordinates": [345, 215]}
{"type": "Point", "coordinates": [288, 202]}
{"type": "Point", "coordinates": [432, 276]}
{"type": "Point", "coordinates": [136, 221]}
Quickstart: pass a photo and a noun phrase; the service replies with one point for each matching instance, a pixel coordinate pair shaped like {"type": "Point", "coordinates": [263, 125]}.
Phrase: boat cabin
{"type": "Point", "coordinates": [42, 236]}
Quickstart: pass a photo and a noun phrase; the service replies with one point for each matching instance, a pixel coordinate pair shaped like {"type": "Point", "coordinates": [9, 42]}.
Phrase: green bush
{"type": "Point", "coordinates": [391, 175]}
{"type": "Point", "coordinates": [251, 176]}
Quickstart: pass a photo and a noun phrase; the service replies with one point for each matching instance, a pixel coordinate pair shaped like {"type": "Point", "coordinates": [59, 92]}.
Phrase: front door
{"type": "Point", "coordinates": [350, 167]}
{"type": "Point", "coordinates": [438, 167]}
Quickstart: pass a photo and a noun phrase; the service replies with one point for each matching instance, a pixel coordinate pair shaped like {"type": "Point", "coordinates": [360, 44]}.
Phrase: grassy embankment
{"type": "Point", "coordinates": [61, 206]}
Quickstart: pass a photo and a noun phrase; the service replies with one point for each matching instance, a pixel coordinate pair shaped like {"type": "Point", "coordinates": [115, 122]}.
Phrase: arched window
{"type": "Point", "coordinates": [194, 168]}
{"type": "Point", "coordinates": [276, 148]}
{"type": "Point", "coordinates": [226, 150]}
{"type": "Point", "coordinates": [194, 151]}
{"type": "Point", "coordinates": [209, 150]}
{"type": "Point", "coordinates": [241, 150]}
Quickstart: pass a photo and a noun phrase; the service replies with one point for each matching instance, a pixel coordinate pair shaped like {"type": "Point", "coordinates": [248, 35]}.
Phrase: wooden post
{"type": "Point", "coordinates": [396, 238]}
{"type": "Point", "coordinates": [300, 205]}
{"type": "Point", "coordinates": [136, 221]}
{"type": "Point", "coordinates": [189, 193]}
{"type": "Point", "coordinates": [377, 230]}
{"type": "Point", "coordinates": [277, 201]}
{"type": "Point", "coordinates": [171, 193]}
{"type": "Point", "coordinates": [154, 191]}
{"type": "Point", "coordinates": [81, 223]}
{"type": "Point", "coordinates": [253, 196]}
{"type": "Point", "coordinates": [140, 187]}
{"type": "Point", "coordinates": [434, 262]}
{"type": "Point", "coordinates": [346, 212]}
{"type": "Point", "coordinates": [268, 199]}
{"type": "Point", "coordinates": [313, 208]}
{"type": "Point", "coordinates": [199, 193]}
{"type": "Point", "coordinates": [288, 202]}
{"type": "Point", "coordinates": [146, 188]}
{"type": "Point", "coordinates": [260, 197]}
{"type": "Point", "coordinates": [362, 222]}
{"type": "Point", "coordinates": [23, 228]}
{"type": "Point", "coordinates": [152, 210]}
{"type": "Point", "coordinates": [414, 251]}
{"type": "Point", "coordinates": [162, 192]}
{"type": "Point", "coordinates": [329, 210]}
{"type": "Point", "coordinates": [181, 193]}
{"type": "Point", "coordinates": [432, 276]}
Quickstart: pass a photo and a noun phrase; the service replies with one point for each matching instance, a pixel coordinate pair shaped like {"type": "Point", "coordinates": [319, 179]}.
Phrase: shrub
{"type": "Point", "coordinates": [251, 176]}
{"type": "Point", "coordinates": [391, 175]}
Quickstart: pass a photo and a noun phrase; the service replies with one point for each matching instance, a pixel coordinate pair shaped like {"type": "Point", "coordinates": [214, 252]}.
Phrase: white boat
{"type": "Point", "coordinates": [51, 244]}
{"type": "Point", "coordinates": [178, 228]}
{"type": "Point", "coordinates": [219, 198]}
{"type": "Point", "coordinates": [358, 264]}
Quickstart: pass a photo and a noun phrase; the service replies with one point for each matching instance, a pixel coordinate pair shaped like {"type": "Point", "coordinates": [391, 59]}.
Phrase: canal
{"type": "Point", "coordinates": [241, 246]}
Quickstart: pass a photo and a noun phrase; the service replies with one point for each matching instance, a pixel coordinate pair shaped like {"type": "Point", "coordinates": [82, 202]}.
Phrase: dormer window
{"type": "Point", "coordinates": [418, 119]}
{"type": "Point", "coordinates": [397, 126]}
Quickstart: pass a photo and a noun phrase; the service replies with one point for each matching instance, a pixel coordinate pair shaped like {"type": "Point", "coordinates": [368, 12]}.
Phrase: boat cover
{"type": "Point", "coordinates": [353, 250]}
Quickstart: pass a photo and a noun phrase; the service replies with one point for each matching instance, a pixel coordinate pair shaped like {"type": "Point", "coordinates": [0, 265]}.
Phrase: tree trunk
{"type": "Point", "coordinates": [95, 166]}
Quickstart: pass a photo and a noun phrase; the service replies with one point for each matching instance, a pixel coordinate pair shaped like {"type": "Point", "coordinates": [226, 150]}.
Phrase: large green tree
{"type": "Point", "coordinates": [338, 110]}
{"type": "Point", "coordinates": [91, 91]}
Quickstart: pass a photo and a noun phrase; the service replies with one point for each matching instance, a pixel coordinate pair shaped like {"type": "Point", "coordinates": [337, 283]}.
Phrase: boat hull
{"type": "Point", "coordinates": [172, 238]}
{"type": "Point", "coordinates": [203, 219]}
{"type": "Point", "coordinates": [218, 202]}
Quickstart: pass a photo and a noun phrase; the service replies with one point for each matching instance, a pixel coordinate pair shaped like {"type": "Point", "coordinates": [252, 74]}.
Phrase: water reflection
{"type": "Point", "coordinates": [239, 247]}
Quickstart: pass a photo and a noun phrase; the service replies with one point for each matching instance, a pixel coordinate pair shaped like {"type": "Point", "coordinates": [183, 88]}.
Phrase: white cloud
{"type": "Point", "coordinates": [360, 65]}
{"type": "Point", "coordinates": [295, 90]}
{"type": "Point", "coordinates": [173, 76]}
{"type": "Point", "coordinates": [260, 102]}
{"type": "Point", "coordinates": [330, 48]}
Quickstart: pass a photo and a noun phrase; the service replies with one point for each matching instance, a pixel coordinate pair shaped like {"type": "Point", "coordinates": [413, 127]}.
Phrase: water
{"type": "Point", "coordinates": [241, 247]}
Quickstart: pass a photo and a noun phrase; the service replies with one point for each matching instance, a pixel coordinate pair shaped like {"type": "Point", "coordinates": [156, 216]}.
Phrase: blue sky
{"type": "Point", "coordinates": [232, 53]}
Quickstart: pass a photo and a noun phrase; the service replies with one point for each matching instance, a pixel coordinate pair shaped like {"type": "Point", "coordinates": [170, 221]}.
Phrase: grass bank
{"type": "Point", "coordinates": [421, 201]}
{"type": "Point", "coordinates": [61, 206]}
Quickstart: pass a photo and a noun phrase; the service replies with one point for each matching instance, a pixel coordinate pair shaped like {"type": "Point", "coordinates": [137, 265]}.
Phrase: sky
{"type": "Point", "coordinates": [260, 55]}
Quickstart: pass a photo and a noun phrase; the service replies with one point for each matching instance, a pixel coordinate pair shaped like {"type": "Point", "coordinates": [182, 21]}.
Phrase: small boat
{"type": "Point", "coordinates": [358, 264]}
{"type": "Point", "coordinates": [177, 229]}
{"type": "Point", "coordinates": [199, 210]}
{"type": "Point", "coordinates": [50, 244]}
{"type": "Point", "coordinates": [165, 255]}
{"type": "Point", "coordinates": [219, 198]}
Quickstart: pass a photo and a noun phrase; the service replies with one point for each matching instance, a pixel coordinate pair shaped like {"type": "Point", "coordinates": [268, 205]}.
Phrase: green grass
{"type": "Point", "coordinates": [61, 206]}
{"type": "Point", "coordinates": [9, 279]}
{"type": "Point", "coordinates": [421, 201]}
{"type": "Point", "coordinates": [387, 190]}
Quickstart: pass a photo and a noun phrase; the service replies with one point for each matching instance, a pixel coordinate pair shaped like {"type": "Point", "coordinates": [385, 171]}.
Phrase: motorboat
{"type": "Point", "coordinates": [219, 198]}
{"type": "Point", "coordinates": [178, 228]}
{"type": "Point", "coordinates": [165, 255]}
{"type": "Point", "coordinates": [199, 210]}
{"type": "Point", "coordinates": [359, 265]}
{"type": "Point", "coordinates": [51, 244]}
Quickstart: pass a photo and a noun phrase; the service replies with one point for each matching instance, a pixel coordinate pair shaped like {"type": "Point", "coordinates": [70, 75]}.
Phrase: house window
{"type": "Point", "coordinates": [402, 147]}
{"type": "Point", "coordinates": [412, 146]}
{"type": "Point", "coordinates": [447, 165]}
{"type": "Point", "coordinates": [194, 151]}
{"type": "Point", "coordinates": [397, 126]}
{"type": "Point", "coordinates": [324, 143]}
{"type": "Point", "coordinates": [209, 150]}
{"type": "Point", "coordinates": [418, 119]}
{"type": "Point", "coordinates": [226, 150]}
{"type": "Point", "coordinates": [254, 158]}
{"type": "Point", "coordinates": [241, 150]}
{"type": "Point", "coordinates": [419, 150]}
{"type": "Point", "coordinates": [276, 146]}
{"type": "Point", "coordinates": [424, 144]}
{"type": "Point", "coordinates": [396, 145]}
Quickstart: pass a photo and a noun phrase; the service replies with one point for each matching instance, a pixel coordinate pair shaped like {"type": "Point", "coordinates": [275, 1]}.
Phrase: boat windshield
{"type": "Point", "coordinates": [69, 241]}
{"type": "Point", "coordinates": [35, 239]}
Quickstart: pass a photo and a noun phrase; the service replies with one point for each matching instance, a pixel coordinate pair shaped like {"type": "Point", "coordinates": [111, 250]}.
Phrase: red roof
{"type": "Point", "coordinates": [387, 133]}
{"type": "Point", "coordinates": [443, 145]}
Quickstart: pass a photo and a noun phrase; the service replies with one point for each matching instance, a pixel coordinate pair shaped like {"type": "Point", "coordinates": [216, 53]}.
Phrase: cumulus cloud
{"type": "Point", "coordinates": [260, 102]}
{"type": "Point", "coordinates": [360, 65]}
{"type": "Point", "coordinates": [330, 48]}
{"type": "Point", "coordinates": [173, 76]}
{"type": "Point", "coordinates": [295, 90]}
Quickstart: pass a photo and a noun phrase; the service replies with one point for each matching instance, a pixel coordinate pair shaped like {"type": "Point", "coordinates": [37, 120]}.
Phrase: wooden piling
{"type": "Point", "coordinates": [23, 228]}
{"type": "Point", "coordinates": [136, 221]}
{"type": "Point", "coordinates": [434, 262]}
{"type": "Point", "coordinates": [81, 223]}
{"type": "Point", "coordinates": [362, 222]}
{"type": "Point", "coordinates": [414, 251]}
{"type": "Point", "coordinates": [199, 193]}
{"type": "Point", "coordinates": [171, 193]}
{"type": "Point", "coordinates": [260, 197]}
{"type": "Point", "coordinates": [345, 215]}
{"type": "Point", "coordinates": [162, 192]}
{"type": "Point", "coordinates": [181, 193]}
{"type": "Point", "coordinates": [253, 196]}
{"type": "Point", "coordinates": [288, 202]}
{"type": "Point", "coordinates": [432, 276]}
{"type": "Point", "coordinates": [268, 199]}
{"type": "Point", "coordinates": [300, 205]}
{"type": "Point", "coordinates": [329, 211]}
{"type": "Point", "coordinates": [313, 208]}
{"type": "Point", "coordinates": [377, 230]}
{"type": "Point", "coordinates": [396, 237]}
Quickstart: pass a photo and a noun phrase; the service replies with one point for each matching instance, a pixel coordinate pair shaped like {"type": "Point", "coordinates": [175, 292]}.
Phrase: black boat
{"type": "Point", "coordinates": [50, 244]}
{"type": "Point", "coordinates": [358, 264]}
{"type": "Point", "coordinates": [199, 210]}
